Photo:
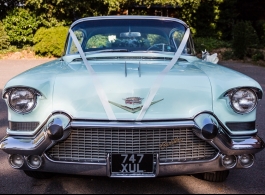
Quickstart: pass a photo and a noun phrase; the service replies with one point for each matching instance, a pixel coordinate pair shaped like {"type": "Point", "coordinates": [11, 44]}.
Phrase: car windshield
{"type": "Point", "coordinates": [129, 35]}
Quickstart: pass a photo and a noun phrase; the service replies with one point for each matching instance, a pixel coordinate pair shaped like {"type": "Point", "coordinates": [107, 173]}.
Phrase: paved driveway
{"type": "Point", "coordinates": [240, 181]}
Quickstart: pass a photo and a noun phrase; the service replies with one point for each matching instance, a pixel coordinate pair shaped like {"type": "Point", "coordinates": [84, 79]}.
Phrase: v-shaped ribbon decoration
{"type": "Point", "coordinates": [153, 90]}
{"type": "Point", "coordinates": [159, 79]}
{"type": "Point", "coordinates": [101, 94]}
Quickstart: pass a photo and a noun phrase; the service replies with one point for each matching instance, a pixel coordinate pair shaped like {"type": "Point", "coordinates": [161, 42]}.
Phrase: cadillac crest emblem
{"type": "Point", "coordinates": [131, 101]}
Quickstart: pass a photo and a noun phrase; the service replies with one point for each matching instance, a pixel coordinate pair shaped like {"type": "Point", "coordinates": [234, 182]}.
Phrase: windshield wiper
{"type": "Point", "coordinates": [108, 50]}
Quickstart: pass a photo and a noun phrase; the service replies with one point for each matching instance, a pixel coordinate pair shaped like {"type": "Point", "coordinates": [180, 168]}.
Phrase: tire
{"type": "Point", "coordinates": [216, 176]}
{"type": "Point", "coordinates": [38, 174]}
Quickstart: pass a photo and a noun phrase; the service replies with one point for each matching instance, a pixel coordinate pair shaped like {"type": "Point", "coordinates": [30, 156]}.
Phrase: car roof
{"type": "Point", "coordinates": [139, 17]}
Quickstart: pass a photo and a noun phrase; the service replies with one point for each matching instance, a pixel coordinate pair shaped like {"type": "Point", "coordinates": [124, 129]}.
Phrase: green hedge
{"type": "Point", "coordinates": [50, 42]}
{"type": "Point", "coordinates": [244, 37]}
{"type": "Point", "coordinates": [4, 39]}
{"type": "Point", "coordinates": [21, 25]}
{"type": "Point", "coordinates": [209, 43]}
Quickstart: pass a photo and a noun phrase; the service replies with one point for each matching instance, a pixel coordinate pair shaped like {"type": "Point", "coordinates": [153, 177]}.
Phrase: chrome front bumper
{"type": "Point", "coordinates": [103, 169]}
{"type": "Point", "coordinates": [47, 138]}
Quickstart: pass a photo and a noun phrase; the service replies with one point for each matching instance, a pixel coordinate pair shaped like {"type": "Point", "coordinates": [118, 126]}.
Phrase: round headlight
{"type": "Point", "coordinates": [22, 100]}
{"type": "Point", "coordinates": [244, 100]}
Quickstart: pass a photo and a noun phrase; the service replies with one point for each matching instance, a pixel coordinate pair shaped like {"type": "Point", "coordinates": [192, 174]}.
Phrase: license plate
{"type": "Point", "coordinates": [132, 163]}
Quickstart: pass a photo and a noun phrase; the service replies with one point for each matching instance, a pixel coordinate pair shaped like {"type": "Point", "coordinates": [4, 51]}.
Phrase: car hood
{"type": "Point", "coordinates": [188, 89]}
{"type": "Point", "coordinates": [184, 92]}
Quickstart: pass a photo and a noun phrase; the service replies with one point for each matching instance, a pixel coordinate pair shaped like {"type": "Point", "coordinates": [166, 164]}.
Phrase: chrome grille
{"type": "Point", "coordinates": [23, 126]}
{"type": "Point", "coordinates": [92, 145]}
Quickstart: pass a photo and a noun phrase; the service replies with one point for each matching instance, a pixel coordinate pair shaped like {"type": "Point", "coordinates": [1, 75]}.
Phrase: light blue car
{"type": "Point", "coordinates": [130, 99]}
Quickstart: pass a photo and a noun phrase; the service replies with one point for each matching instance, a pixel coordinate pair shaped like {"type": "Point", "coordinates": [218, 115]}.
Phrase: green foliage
{"type": "Point", "coordinates": [204, 19]}
{"type": "Point", "coordinates": [53, 12]}
{"type": "Point", "coordinates": [260, 28]}
{"type": "Point", "coordinates": [97, 41]}
{"type": "Point", "coordinates": [228, 54]}
{"type": "Point", "coordinates": [257, 56]}
{"type": "Point", "coordinates": [21, 25]}
{"type": "Point", "coordinates": [209, 43]}
{"type": "Point", "coordinates": [244, 36]}
{"type": "Point", "coordinates": [50, 42]}
{"type": "Point", "coordinates": [225, 21]}
{"type": "Point", "coordinates": [4, 39]}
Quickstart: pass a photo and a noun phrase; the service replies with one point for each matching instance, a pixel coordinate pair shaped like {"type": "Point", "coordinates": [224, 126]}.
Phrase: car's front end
{"type": "Point", "coordinates": [131, 109]}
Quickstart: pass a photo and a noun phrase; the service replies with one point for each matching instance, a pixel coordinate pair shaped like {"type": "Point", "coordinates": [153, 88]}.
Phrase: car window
{"type": "Point", "coordinates": [80, 37]}
{"type": "Point", "coordinates": [112, 41]}
{"type": "Point", "coordinates": [130, 35]}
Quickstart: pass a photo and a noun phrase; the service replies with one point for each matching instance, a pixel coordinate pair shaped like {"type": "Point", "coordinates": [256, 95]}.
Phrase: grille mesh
{"type": "Point", "coordinates": [23, 126]}
{"type": "Point", "coordinates": [92, 145]}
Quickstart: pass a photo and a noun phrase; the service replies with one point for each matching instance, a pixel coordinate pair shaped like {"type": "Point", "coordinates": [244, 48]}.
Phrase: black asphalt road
{"type": "Point", "coordinates": [240, 181]}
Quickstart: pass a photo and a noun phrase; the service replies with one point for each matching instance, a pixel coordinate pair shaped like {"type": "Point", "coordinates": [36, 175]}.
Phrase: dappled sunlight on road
{"type": "Point", "coordinates": [104, 185]}
{"type": "Point", "coordinates": [206, 187]}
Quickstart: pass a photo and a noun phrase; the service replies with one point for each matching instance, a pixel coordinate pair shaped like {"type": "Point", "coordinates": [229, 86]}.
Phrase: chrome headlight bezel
{"type": "Point", "coordinates": [34, 94]}
{"type": "Point", "coordinates": [233, 99]}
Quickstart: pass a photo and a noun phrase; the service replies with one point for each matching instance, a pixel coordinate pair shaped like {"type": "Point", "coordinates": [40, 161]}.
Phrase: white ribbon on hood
{"type": "Point", "coordinates": [161, 76]}
{"type": "Point", "coordinates": [153, 90]}
{"type": "Point", "coordinates": [101, 94]}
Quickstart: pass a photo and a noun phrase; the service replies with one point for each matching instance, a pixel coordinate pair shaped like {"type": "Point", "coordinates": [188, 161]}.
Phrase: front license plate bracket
{"type": "Point", "coordinates": [132, 165]}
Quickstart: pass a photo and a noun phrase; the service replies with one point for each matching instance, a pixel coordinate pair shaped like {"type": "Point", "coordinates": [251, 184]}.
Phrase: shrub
{"type": "Point", "coordinates": [21, 25]}
{"type": "Point", "coordinates": [50, 42]}
{"type": "Point", "coordinates": [228, 54]}
{"type": "Point", "coordinates": [4, 39]}
{"type": "Point", "coordinates": [244, 36]}
{"type": "Point", "coordinates": [257, 56]}
{"type": "Point", "coordinates": [260, 27]}
{"type": "Point", "coordinates": [209, 43]}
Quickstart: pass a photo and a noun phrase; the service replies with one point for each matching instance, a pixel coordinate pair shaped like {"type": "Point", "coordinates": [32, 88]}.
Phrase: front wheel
{"type": "Point", "coordinates": [38, 174]}
{"type": "Point", "coordinates": [216, 176]}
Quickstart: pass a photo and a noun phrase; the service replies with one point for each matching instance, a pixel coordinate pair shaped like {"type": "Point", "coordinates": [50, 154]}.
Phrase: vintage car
{"type": "Point", "coordinates": [130, 99]}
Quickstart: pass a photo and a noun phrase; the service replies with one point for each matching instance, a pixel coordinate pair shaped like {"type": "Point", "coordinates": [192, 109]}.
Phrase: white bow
{"type": "Point", "coordinates": [210, 58]}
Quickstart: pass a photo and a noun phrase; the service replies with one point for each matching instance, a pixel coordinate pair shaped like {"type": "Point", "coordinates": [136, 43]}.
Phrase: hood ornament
{"type": "Point", "coordinates": [133, 100]}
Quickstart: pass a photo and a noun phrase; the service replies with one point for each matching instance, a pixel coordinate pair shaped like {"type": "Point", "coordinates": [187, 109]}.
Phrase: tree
{"type": "Point", "coordinates": [244, 37]}
{"type": "Point", "coordinates": [227, 18]}
{"type": "Point", "coordinates": [8, 5]}
{"type": "Point", "coordinates": [21, 25]}
{"type": "Point", "coordinates": [64, 12]}
{"type": "Point", "coordinates": [4, 39]}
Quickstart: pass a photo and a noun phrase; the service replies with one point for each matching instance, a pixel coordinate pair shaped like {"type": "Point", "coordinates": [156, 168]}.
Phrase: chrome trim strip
{"type": "Point", "coordinates": [108, 169]}
{"type": "Point", "coordinates": [32, 133]}
{"type": "Point", "coordinates": [258, 92]}
{"type": "Point", "coordinates": [238, 146]}
{"type": "Point", "coordinates": [9, 89]}
{"type": "Point", "coordinates": [139, 69]}
{"type": "Point", "coordinates": [129, 17]}
{"type": "Point", "coordinates": [125, 68]}
{"type": "Point", "coordinates": [25, 145]}
{"type": "Point", "coordinates": [189, 162]}
{"type": "Point", "coordinates": [133, 175]}
{"type": "Point", "coordinates": [93, 124]}
{"type": "Point", "coordinates": [157, 165]}
{"type": "Point", "coordinates": [69, 162]}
